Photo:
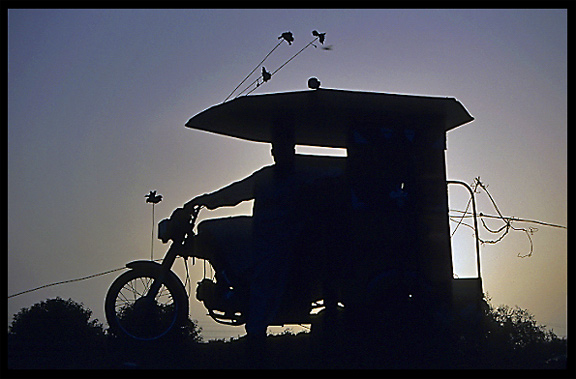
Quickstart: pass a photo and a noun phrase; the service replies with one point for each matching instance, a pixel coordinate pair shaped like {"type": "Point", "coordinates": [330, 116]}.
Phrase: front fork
{"type": "Point", "coordinates": [180, 246]}
{"type": "Point", "coordinates": [165, 269]}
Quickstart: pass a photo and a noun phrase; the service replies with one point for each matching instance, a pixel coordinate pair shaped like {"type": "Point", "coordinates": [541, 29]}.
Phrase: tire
{"type": "Point", "coordinates": [129, 313]}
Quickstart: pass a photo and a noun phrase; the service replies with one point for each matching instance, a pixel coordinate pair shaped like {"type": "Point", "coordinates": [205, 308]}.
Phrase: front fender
{"type": "Point", "coordinates": [135, 265]}
{"type": "Point", "coordinates": [155, 269]}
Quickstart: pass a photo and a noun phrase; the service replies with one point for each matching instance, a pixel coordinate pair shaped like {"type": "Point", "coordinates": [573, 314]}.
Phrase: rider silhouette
{"type": "Point", "coordinates": [275, 190]}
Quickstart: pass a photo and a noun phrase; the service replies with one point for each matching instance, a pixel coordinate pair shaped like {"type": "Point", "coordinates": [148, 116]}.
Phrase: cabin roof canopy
{"type": "Point", "coordinates": [322, 117]}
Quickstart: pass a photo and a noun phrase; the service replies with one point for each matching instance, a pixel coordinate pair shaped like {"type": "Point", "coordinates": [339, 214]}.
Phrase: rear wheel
{"type": "Point", "coordinates": [129, 312]}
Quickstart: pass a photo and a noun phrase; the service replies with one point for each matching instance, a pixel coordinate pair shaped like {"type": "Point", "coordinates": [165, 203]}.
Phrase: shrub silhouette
{"type": "Point", "coordinates": [149, 322]}
{"type": "Point", "coordinates": [154, 321]}
{"type": "Point", "coordinates": [514, 339]}
{"type": "Point", "coordinates": [54, 333]}
{"type": "Point", "coordinates": [59, 333]}
{"type": "Point", "coordinates": [170, 350]}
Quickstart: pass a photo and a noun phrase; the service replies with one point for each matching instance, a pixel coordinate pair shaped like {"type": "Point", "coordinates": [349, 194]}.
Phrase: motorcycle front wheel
{"type": "Point", "coordinates": [129, 312]}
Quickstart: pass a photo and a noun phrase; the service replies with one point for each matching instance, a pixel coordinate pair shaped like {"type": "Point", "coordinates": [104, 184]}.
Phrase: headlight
{"type": "Point", "coordinates": [164, 230]}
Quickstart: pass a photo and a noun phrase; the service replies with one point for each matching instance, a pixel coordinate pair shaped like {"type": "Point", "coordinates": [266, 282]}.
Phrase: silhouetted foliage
{"type": "Point", "coordinates": [59, 333]}
{"type": "Point", "coordinates": [153, 321]}
{"type": "Point", "coordinates": [513, 339]}
{"type": "Point", "coordinates": [170, 350]}
{"type": "Point", "coordinates": [54, 333]}
{"type": "Point", "coordinates": [173, 350]}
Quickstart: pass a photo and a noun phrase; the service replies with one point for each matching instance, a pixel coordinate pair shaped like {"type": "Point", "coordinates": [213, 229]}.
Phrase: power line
{"type": "Point", "coordinates": [278, 69]}
{"type": "Point", "coordinates": [504, 229]}
{"type": "Point", "coordinates": [295, 55]}
{"type": "Point", "coordinates": [71, 280]}
{"type": "Point", "coordinates": [67, 281]}
{"type": "Point", "coordinates": [254, 69]}
{"type": "Point", "coordinates": [469, 214]}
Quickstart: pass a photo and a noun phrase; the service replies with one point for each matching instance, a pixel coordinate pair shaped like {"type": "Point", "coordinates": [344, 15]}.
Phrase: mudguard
{"type": "Point", "coordinates": [135, 265]}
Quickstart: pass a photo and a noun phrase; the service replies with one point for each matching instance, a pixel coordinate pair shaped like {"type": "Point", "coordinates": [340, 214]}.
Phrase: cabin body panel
{"type": "Point", "coordinates": [399, 199]}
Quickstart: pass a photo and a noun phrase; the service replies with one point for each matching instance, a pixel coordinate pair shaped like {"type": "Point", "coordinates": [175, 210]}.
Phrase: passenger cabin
{"type": "Point", "coordinates": [394, 172]}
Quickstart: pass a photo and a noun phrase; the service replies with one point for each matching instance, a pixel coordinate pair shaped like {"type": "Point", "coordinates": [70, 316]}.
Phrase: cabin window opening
{"type": "Point", "coordinates": [321, 151]}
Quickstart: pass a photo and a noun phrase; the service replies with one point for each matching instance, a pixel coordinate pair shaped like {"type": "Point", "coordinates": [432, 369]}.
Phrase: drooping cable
{"type": "Point", "coordinates": [73, 280]}
{"type": "Point", "coordinates": [504, 229]}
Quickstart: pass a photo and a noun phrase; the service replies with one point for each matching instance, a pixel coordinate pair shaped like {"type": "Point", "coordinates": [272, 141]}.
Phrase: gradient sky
{"type": "Point", "coordinates": [97, 101]}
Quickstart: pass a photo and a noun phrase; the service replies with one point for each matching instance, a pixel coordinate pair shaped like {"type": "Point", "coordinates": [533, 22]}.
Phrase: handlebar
{"type": "Point", "coordinates": [180, 224]}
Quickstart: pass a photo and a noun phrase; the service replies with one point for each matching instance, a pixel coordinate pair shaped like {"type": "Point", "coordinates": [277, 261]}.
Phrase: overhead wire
{"type": "Point", "coordinates": [74, 280]}
{"type": "Point", "coordinates": [510, 218]}
{"type": "Point", "coordinates": [504, 229]}
{"type": "Point", "coordinates": [275, 71]}
{"type": "Point", "coordinates": [254, 69]}
{"type": "Point", "coordinates": [66, 281]}
{"type": "Point", "coordinates": [295, 55]}
{"type": "Point", "coordinates": [507, 224]}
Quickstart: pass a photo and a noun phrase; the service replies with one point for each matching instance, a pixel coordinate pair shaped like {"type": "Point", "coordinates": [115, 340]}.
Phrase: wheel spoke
{"type": "Point", "coordinates": [146, 284]}
{"type": "Point", "coordinates": [133, 290]}
{"type": "Point", "coordinates": [122, 299]}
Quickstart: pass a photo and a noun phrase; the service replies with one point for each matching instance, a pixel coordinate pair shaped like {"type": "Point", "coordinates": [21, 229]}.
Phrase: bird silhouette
{"type": "Point", "coordinates": [265, 74]}
{"type": "Point", "coordinates": [288, 37]}
{"type": "Point", "coordinates": [153, 198]}
{"type": "Point", "coordinates": [321, 36]}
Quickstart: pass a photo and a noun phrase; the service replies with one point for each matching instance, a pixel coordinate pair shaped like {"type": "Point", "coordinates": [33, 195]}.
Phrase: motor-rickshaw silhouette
{"type": "Point", "coordinates": [377, 240]}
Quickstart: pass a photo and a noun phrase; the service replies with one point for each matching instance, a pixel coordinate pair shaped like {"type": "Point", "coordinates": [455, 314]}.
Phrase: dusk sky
{"type": "Point", "coordinates": [98, 99]}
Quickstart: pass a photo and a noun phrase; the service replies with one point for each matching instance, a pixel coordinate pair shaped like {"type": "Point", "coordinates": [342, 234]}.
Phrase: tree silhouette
{"type": "Point", "coordinates": [149, 322]}
{"type": "Point", "coordinates": [54, 333]}
{"type": "Point", "coordinates": [514, 339]}
{"type": "Point", "coordinates": [172, 349]}
{"type": "Point", "coordinates": [60, 334]}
